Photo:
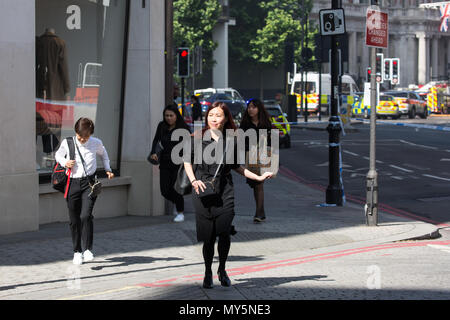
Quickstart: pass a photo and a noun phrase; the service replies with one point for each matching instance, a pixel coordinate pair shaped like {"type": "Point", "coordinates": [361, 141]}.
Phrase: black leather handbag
{"type": "Point", "coordinates": [158, 150]}
{"type": "Point", "coordinates": [182, 185]}
{"type": "Point", "coordinates": [210, 184]}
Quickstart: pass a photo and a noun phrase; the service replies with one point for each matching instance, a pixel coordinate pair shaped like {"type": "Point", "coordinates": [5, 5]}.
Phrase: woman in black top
{"type": "Point", "coordinates": [215, 215]}
{"type": "Point", "coordinates": [168, 170]}
{"type": "Point", "coordinates": [256, 117]}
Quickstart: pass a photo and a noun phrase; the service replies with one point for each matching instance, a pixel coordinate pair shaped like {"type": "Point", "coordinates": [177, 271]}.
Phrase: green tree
{"type": "Point", "coordinates": [193, 23]}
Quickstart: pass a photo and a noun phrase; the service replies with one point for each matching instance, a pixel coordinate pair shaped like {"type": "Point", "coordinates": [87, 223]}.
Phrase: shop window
{"type": "Point", "coordinates": [79, 66]}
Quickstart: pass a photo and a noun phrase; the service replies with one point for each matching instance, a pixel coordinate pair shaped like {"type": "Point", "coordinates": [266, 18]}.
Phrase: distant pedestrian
{"type": "Point", "coordinates": [196, 109]}
{"type": "Point", "coordinates": [256, 117]}
{"type": "Point", "coordinates": [80, 204]}
{"type": "Point", "coordinates": [215, 213]}
{"type": "Point", "coordinates": [172, 120]}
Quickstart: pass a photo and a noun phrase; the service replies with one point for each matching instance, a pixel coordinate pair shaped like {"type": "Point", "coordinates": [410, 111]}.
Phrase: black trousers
{"type": "Point", "coordinates": [80, 214]}
{"type": "Point", "coordinates": [167, 180]}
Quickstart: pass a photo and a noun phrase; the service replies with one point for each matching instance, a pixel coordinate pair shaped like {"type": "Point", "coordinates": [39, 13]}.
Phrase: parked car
{"type": "Point", "coordinates": [387, 107]}
{"type": "Point", "coordinates": [410, 103]}
{"type": "Point", "coordinates": [231, 97]}
{"type": "Point", "coordinates": [279, 121]}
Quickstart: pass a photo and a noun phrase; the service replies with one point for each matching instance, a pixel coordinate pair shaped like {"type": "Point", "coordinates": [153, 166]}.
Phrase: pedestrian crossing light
{"type": "Point", "coordinates": [368, 74]}
{"type": "Point", "coordinates": [379, 67]}
{"type": "Point", "coordinates": [387, 69]}
{"type": "Point", "coordinates": [183, 62]}
{"type": "Point", "coordinates": [395, 78]}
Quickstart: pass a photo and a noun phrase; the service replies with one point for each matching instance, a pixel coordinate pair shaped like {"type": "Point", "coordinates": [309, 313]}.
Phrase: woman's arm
{"type": "Point", "coordinates": [196, 184]}
{"type": "Point", "coordinates": [156, 138]}
{"type": "Point", "coordinates": [248, 174]}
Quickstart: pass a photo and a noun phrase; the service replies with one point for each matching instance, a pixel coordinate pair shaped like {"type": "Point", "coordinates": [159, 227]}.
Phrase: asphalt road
{"type": "Point", "coordinates": [413, 166]}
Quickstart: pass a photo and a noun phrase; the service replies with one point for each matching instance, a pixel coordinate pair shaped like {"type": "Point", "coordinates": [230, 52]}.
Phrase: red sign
{"type": "Point", "coordinates": [377, 28]}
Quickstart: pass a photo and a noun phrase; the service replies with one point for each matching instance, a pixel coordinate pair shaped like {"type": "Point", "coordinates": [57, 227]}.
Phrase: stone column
{"type": "Point", "coordinates": [352, 54]}
{"type": "Point", "coordinates": [422, 60]}
{"type": "Point", "coordinates": [435, 58]}
{"type": "Point", "coordinates": [220, 55]}
{"type": "Point", "coordinates": [19, 182]}
{"type": "Point", "coordinates": [409, 62]}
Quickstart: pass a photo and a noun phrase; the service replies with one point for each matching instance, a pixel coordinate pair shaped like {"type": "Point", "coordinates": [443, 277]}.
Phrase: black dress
{"type": "Point", "coordinates": [214, 215]}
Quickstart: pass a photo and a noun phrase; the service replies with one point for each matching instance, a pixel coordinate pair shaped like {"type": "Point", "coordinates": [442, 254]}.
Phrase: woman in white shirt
{"type": "Point", "coordinates": [79, 203]}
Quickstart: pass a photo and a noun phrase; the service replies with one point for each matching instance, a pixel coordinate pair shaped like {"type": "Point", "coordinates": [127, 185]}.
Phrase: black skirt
{"type": "Point", "coordinates": [214, 216]}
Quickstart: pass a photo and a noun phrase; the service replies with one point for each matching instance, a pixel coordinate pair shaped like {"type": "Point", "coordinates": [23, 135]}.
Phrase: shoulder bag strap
{"type": "Point", "coordinates": [221, 162]}
{"type": "Point", "coordinates": [81, 157]}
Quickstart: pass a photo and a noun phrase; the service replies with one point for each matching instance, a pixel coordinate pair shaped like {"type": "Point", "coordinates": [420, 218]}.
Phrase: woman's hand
{"type": "Point", "coordinates": [70, 164]}
{"type": "Point", "coordinates": [154, 157]}
{"type": "Point", "coordinates": [265, 176]}
{"type": "Point", "coordinates": [110, 175]}
{"type": "Point", "coordinates": [198, 184]}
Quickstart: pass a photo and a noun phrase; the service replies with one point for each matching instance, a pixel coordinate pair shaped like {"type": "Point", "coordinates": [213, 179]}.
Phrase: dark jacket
{"type": "Point", "coordinates": [164, 135]}
{"type": "Point", "coordinates": [52, 72]}
{"type": "Point", "coordinates": [197, 111]}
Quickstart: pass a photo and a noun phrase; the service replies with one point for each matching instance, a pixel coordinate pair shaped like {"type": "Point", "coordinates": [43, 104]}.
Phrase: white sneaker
{"type": "Point", "coordinates": [179, 218]}
{"type": "Point", "coordinates": [77, 258]}
{"type": "Point", "coordinates": [88, 256]}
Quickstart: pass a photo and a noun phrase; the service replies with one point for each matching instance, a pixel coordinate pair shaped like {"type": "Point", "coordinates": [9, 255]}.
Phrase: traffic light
{"type": "Point", "coordinates": [395, 79]}
{"type": "Point", "coordinates": [183, 62]}
{"type": "Point", "coordinates": [368, 74]}
{"type": "Point", "coordinates": [387, 69]}
{"type": "Point", "coordinates": [379, 67]}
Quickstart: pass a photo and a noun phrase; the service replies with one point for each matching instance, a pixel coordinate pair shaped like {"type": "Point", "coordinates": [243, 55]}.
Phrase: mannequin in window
{"type": "Point", "coordinates": [52, 82]}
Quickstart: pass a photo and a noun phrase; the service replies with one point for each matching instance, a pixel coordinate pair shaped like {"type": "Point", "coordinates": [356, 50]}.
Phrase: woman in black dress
{"type": "Point", "coordinates": [256, 117]}
{"type": "Point", "coordinates": [168, 170]}
{"type": "Point", "coordinates": [215, 215]}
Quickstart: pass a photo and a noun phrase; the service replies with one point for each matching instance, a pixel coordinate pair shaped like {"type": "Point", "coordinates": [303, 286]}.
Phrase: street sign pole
{"type": "Point", "coordinates": [372, 175]}
{"type": "Point", "coordinates": [377, 32]}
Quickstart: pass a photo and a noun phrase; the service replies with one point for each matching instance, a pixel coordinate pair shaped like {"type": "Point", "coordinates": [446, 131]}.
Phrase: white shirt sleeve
{"type": "Point", "coordinates": [62, 152]}
{"type": "Point", "coordinates": [101, 151]}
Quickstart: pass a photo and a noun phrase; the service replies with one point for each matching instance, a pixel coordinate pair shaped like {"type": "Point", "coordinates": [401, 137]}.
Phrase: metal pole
{"type": "Point", "coordinates": [320, 79]}
{"type": "Point", "coordinates": [306, 63]}
{"type": "Point", "coordinates": [371, 207]}
{"type": "Point", "coordinates": [334, 193]}
{"type": "Point", "coordinates": [169, 53]}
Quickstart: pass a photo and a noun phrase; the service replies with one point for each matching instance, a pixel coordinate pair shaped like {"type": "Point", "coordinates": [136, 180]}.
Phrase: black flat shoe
{"type": "Point", "coordinates": [208, 281]}
{"type": "Point", "coordinates": [223, 278]}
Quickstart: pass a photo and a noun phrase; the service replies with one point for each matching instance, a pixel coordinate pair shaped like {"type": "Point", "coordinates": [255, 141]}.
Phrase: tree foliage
{"type": "Point", "coordinates": [193, 23]}
{"type": "Point", "coordinates": [263, 27]}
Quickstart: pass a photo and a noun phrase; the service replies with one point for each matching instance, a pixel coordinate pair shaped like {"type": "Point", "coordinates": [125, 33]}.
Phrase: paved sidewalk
{"type": "Point", "coordinates": [302, 251]}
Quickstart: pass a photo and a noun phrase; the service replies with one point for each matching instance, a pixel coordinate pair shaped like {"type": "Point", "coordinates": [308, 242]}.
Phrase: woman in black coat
{"type": "Point", "coordinates": [215, 214]}
{"type": "Point", "coordinates": [168, 170]}
{"type": "Point", "coordinates": [256, 117]}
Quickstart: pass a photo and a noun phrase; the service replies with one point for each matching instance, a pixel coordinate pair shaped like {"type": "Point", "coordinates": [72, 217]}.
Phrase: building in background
{"type": "Point", "coordinates": [64, 59]}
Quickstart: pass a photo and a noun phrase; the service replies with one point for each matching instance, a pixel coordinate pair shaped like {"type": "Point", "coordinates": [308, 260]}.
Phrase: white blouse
{"type": "Point", "coordinates": [89, 151]}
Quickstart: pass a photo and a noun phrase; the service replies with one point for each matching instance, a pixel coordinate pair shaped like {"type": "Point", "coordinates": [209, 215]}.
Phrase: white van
{"type": "Point", "coordinates": [349, 88]}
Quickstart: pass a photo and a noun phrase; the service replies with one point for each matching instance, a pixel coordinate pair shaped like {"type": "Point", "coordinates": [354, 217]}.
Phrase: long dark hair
{"type": "Point", "coordinates": [263, 117]}
{"type": "Point", "coordinates": [230, 122]}
{"type": "Point", "coordinates": [180, 124]}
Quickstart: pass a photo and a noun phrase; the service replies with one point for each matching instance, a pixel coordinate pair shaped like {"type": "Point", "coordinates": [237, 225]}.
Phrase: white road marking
{"type": "Point", "coordinates": [434, 177]}
{"type": "Point", "coordinates": [396, 178]}
{"type": "Point", "coordinates": [418, 145]}
{"type": "Point", "coordinates": [445, 159]}
{"type": "Point", "coordinates": [399, 168]}
{"type": "Point", "coordinates": [351, 153]}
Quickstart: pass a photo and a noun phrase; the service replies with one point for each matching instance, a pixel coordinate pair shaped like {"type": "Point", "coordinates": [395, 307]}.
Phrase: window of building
{"type": "Point", "coordinates": [79, 66]}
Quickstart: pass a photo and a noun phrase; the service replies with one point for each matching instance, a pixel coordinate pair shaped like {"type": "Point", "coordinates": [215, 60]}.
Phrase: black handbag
{"type": "Point", "coordinates": [182, 185]}
{"type": "Point", "coordinates": [210, 184]}
{"type": "Point", "coordinates": [158, 150]}
{"type": "Point", "coordinates": [94, 183]}
{"type": "Point", "coordinates": [61, 179]}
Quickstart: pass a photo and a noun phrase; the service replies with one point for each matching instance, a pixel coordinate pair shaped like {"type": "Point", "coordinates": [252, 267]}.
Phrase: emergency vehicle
{"type": "Point", "coordinates": [311, 90]}
{"type": "Point", "coordinates": [387, 107]}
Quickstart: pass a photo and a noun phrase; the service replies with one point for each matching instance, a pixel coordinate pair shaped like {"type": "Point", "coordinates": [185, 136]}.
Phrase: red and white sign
{"type": "Point", "coordinates": [377, 28]}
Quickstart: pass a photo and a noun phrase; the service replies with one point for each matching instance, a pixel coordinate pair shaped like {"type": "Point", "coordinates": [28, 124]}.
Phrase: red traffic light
{"type": "Point", "coordinates": [394, 62]}
{"type": "Point", "coordinates": [369, 71]}
{"type": "Point", "coordinates": [184, 53]}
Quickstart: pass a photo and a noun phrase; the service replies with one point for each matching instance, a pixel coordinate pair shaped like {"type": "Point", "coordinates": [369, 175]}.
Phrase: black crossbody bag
{"type": "Point", "coordinates": [210, 184]}
{"type": "Point", "coordinates": [61, 179]}
{"type": "Point", "coordinates": [94, 184]}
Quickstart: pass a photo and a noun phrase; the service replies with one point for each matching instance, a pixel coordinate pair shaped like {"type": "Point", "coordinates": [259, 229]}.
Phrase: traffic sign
{"type": "Point", "coordinates": [377, 28]}
{"type": "Point", "coordinates": [332, 22]}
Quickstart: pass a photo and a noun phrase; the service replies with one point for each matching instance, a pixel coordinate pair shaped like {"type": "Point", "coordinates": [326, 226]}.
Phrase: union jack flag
{"type": "Point", "coordinates": [445, 15]}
